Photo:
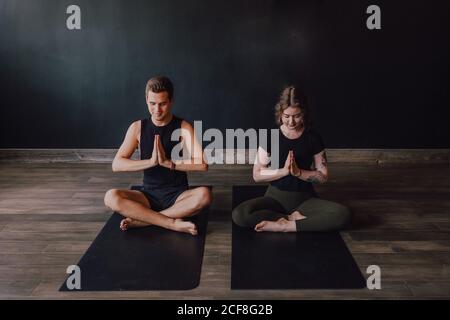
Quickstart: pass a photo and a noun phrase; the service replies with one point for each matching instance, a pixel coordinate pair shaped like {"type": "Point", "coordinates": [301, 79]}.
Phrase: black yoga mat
{"type": "Point", "coordinates": [304, 260]}
{"type": "Point", "coordinates": [149, 258]}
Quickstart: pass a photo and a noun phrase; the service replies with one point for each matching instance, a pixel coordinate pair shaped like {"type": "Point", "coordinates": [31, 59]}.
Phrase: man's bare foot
{"type": "Point", "coordinates": [296, 215]}
{"type": "Point", "coordinates": [281, 225]}
{"type": "Point", "coordinates": [184, 226]}
{"type": "Point", "coordinates": [129, 223]}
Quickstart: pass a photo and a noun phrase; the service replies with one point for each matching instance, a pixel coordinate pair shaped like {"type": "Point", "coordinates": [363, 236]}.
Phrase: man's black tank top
{"type": "Point", "coordinates": [158, 176]}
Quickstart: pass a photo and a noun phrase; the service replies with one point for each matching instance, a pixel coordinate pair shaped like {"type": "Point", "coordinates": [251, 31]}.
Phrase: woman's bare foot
{"type": "Point", "coordinates": [129, 223]}
{"type": "Point", "coordinates": [296, 215]}
{"type": "Point", "coordinates": [184, 226]}
{"type": "Point", "coordinates": [281, 225]}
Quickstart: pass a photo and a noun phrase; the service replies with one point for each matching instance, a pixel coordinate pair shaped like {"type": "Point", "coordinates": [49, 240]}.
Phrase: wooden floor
{"type": "Point", "coordinates": [50, 213]}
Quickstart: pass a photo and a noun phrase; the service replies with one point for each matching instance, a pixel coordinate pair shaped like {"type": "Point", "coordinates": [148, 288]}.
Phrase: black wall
{"type": "Point", "coordinates": [228, 59]}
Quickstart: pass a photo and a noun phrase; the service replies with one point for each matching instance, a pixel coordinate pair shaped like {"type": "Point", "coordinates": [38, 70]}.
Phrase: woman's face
{"type": "Point", "coordinates": [292, 118]}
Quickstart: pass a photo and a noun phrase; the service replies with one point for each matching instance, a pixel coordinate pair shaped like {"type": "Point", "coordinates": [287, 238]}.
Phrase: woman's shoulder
{"type": "Point", "coordinates": [313, 133]}
{"type": "Point", "coordinates": [315, 140]}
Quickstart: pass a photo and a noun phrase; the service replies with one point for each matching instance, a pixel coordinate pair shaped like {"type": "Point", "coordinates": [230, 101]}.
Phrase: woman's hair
{"type": "Point", "coordinates": [291, 96]}
{"type": "Point", "coordinates": [159, 84]}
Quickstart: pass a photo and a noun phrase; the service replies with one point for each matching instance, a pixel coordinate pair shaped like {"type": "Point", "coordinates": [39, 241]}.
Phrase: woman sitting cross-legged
{"type": "Point", "coordinates": [290, 203]}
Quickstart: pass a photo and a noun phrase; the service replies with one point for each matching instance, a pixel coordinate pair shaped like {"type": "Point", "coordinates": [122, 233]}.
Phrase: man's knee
{"type": "Point", "coordinates": [112, 199]}
{"type": "Point", "coordinates": [203, 196]}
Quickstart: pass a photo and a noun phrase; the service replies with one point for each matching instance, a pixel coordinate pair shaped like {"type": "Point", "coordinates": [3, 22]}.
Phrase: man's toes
{"type": "Point", "coordinates": [193, 229]}
{"type": "Point", "coordinates": [124, 224]}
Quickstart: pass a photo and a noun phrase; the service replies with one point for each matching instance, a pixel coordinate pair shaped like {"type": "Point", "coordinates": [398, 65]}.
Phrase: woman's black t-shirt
{"type": "Point", "coordinates": [305, 147]}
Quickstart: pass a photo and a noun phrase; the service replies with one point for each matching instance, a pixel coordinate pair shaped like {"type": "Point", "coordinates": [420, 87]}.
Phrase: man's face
{"type": "Point", "coordinates": [292, 118]}
{"type": "Point", "coordinates": [159, 105]}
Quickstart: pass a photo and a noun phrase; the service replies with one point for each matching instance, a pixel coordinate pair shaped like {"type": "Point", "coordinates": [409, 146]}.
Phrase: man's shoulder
{"type": "Point", "coordinates": [186, 124]}
{"type": "Point", "coordinates": [135, 128]}
{"type": "Point", "coordinates": [136, 124]}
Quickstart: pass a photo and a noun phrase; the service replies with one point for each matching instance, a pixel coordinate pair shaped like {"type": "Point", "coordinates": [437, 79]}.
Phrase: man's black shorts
{"type": "Point", "coordinates": [161, 198]}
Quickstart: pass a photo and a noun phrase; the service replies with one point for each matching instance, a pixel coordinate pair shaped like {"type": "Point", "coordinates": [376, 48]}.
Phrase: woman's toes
{"type": "Point", "coordinates": [296, 215]}
{"type": "Point", "coordinates": [260, 225]}
{"type": "Point", "coordinates": [282, 221]}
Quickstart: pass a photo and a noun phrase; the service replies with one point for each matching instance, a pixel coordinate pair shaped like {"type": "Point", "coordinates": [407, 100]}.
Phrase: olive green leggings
{"type": "Point", "coordinates": [321, 215]}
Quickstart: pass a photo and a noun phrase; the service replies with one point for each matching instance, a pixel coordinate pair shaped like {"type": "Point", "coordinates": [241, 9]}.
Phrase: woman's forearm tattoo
{"type": "Point", "coordinates": [316, 177]}
{"type": "Point", "coordinates": [324, 159]}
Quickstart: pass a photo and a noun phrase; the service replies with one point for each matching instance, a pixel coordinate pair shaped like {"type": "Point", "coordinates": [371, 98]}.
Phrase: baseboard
{"type": "Point", "coordinates": [367, 156]}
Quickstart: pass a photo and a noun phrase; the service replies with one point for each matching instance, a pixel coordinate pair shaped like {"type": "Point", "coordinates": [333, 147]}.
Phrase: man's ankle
{"type": "Point", "coordinates": [170, 224]}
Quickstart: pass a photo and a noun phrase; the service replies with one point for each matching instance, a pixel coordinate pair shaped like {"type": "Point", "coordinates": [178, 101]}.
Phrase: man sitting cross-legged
{"type": "Point", "coordinates": [164, 200]}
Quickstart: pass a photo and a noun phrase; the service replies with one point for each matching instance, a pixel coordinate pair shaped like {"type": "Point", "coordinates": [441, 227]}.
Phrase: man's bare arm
{"type": "Point", "coordinates": [194, 149]}
{"type": "Point", "coordinates": [122, 161]}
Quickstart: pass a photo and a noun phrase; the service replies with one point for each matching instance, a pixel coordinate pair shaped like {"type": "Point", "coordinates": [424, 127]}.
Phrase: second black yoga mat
{"type": "Point", "coordinates": [149, 258]}
{"type": "Point", "coordinates": [303, 260]}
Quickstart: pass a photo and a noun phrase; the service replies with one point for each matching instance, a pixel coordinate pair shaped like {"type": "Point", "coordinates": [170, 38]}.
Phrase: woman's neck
{"type": "Point", "coordinates": [292, 133]}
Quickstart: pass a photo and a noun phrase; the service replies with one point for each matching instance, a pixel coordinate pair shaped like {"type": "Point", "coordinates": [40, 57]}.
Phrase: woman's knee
{"type": "Point", "coordinates": [341, 216]}
{"type": "Point", "coordinates": [240, 216]}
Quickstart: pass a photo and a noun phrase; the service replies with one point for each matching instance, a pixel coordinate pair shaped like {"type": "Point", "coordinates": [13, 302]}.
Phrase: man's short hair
{"type": "Point", "coordinates": [159, 84]}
